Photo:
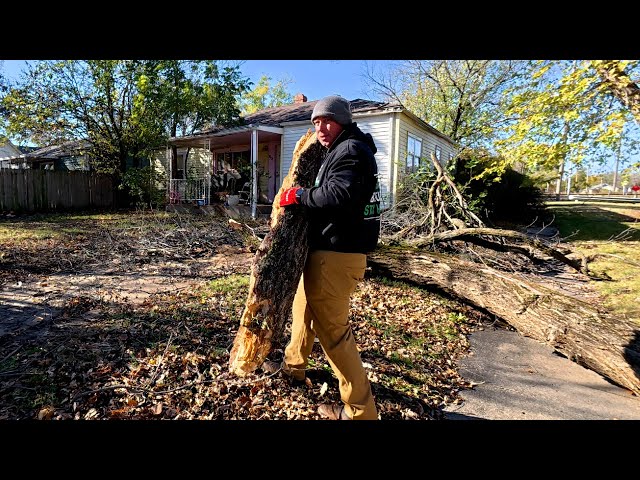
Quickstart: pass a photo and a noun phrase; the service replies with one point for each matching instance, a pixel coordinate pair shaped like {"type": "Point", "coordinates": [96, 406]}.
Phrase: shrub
{"type": "Point", "coordinates": [501, 197]}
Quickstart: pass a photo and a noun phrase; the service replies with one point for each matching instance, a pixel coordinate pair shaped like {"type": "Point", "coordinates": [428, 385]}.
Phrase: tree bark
{"type": "Point", "coordinates": [277, 266]}
{"type": "Point", "coordinates": [579, 330]}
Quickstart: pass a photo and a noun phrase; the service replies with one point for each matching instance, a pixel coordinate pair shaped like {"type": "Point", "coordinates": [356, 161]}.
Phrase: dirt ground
{"type": "Point", "coordinates": [37, 299]}
{"type": "Point", "coordinates": [116, 317]}
{"type": "Point", "coordinates": [131, 317]}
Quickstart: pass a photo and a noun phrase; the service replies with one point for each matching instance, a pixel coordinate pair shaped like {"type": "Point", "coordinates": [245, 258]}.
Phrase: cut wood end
{"type": "Point", "coordinates": [249, 351]}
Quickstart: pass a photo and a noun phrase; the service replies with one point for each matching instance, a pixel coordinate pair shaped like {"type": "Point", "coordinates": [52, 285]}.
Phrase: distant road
{"type": "Point", "coordinates": [605, 198]}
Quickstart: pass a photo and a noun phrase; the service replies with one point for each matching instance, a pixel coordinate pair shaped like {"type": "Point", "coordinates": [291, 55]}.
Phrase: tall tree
{"type": "Point", "coordinates": [186, 96]}
{"type": "Point", "coordinates": [562, 112]}
{"type": "Point", "coordinates": [461, 98]}
{"type": "Point", "coordinates": [124, 108]}
{"type": "Point", "coordinates": [266, 95]}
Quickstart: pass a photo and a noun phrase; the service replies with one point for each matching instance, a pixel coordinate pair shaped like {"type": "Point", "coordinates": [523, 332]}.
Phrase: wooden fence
{"type": "Point", "coordinates": [41, 190]}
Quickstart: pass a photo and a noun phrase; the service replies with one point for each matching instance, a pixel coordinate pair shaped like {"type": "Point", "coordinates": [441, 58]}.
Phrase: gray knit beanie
{"type": "Point", "coordinates": [335, 107]}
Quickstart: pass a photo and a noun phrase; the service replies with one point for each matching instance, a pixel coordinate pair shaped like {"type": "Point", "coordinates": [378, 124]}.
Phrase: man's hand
{"type": "Point", "coordinates": [290, 196]}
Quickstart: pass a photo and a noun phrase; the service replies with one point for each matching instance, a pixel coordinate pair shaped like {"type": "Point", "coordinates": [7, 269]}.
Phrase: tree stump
{"type": "Point", "coordinates": [277, 266]}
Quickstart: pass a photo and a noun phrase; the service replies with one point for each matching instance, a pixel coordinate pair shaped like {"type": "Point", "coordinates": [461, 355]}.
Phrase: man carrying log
{"type": "Point", "coordinates": [343, 210]}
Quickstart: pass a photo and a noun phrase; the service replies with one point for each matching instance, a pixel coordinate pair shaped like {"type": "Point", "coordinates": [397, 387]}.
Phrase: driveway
{"type": "Point", "coordinates": [518, 378]}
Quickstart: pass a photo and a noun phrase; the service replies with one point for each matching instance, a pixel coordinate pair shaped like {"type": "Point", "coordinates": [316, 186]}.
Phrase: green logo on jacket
{"type": "Point", "coordinates": [372, 209]}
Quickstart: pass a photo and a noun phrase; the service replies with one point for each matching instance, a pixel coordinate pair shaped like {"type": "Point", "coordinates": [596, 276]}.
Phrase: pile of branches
{"type": "Point", "coordinates": [435, 216]}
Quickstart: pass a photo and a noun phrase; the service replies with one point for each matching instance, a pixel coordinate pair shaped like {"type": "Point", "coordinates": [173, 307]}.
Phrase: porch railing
{"type": "Point", "coordinates": [192, 190]}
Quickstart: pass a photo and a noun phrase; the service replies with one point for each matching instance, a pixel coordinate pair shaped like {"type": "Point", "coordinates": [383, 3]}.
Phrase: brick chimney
{"type": "Point", "coordinates": [299, 98]}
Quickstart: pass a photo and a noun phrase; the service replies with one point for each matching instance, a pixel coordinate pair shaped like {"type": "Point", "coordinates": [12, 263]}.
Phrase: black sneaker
{"type": "Point", "coordinates": [272, 368]}
{"type": "Point", "coordinates": [333, 412]}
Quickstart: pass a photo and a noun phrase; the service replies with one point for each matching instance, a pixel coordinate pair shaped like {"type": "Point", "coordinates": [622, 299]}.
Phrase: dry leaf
{"type": "Point", "coordinates": [323, 388]}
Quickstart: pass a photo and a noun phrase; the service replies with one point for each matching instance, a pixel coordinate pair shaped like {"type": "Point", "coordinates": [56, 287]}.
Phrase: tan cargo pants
{"type": "Point", "coordinates": [321, 307]}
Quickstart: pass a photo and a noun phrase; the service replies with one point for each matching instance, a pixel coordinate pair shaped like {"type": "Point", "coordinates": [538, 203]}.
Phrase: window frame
{"type": "Point", "coordinates": [412, 161]}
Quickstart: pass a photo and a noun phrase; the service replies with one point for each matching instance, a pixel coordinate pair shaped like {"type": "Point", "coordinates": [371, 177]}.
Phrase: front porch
{"type": "Point", "coordinates": [237, 167]}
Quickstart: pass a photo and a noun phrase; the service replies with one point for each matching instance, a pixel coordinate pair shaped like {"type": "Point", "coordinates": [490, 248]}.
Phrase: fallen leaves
{"type": "Point", "coordinates": [165, 357]}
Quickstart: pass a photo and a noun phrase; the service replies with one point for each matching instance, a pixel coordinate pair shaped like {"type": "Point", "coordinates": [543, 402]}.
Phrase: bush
{"type": "Point", "coordinates": [500, 198]}
{"type": "Point", "coordinates": [141, 184]}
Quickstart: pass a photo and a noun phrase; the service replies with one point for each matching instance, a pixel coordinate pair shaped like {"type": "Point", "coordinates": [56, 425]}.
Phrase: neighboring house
{"type": "Point", "coordinates": [8, 151]}
{"type": "Point", "coordinates": [261, 150]}
{"type": "Point", "coordinates": [599, 188]}
{"type": "Point", "coordinates": [67, 156]}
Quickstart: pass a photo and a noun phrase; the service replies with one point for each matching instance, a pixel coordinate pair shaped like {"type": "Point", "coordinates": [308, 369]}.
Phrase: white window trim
{"type": "Point", "coordinates": [415, 164]}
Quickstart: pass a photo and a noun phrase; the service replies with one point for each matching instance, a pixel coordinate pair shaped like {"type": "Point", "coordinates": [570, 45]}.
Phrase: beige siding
{"type": "Point", "coordinates": [159, 161]}
{"type": "Point", "coordinates": [198, 163]}
{"type": "Point", "coordinates": [429, 142]}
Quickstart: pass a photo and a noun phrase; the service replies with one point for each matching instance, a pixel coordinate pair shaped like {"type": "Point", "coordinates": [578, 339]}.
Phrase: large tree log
{"type": "Point", "coordinates": [580, 330]}
{"type": "Point", "coordinates": [277, 266]}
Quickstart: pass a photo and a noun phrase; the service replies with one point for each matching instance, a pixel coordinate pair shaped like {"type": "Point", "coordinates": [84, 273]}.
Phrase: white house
{"type": "Point", "coordinates": [261, 150]}
{"type": "Point", "coordinates": [8, 151]}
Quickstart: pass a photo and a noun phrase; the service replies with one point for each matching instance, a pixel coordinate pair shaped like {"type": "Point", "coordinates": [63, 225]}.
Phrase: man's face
{"type": "Point", "coordinates": [327, 130]}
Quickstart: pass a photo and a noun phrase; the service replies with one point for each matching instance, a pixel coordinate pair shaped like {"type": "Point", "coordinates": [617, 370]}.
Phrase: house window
{"type": "Point", "coordinates": [438, 152]}
{"type": "Point", "coordinates": [414, 151]}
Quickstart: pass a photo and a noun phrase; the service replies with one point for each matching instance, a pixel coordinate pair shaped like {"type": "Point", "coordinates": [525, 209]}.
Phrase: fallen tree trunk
{"type": "Point", "coordinates": [277, 267]}
{"type": "Point", "coordinates": [579, 330]}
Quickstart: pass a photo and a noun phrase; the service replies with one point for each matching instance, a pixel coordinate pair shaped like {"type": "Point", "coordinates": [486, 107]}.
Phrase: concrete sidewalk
{"type": "Point", "coordinates": [518, 378]}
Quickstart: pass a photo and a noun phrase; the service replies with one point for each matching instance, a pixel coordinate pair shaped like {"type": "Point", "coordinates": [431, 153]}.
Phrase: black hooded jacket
{"type": "Point", "coordinates": [343, 206]}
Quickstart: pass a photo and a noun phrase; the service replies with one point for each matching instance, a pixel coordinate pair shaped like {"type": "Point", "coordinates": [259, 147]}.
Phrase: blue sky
{"type": "Point", "coordinates": [314, 78]}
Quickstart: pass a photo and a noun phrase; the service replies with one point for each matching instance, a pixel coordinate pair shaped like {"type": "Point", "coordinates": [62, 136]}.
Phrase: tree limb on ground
{"type": "Point", "coordinates": [470, 234]}
{"type": "Point", "coordinates": [579, 330]}
{"type": "Point", "coordinates": [430, 219]}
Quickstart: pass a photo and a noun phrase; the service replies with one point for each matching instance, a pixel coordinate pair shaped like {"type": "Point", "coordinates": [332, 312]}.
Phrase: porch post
{"type": "Point", "coordinates": [168, 170]}
{"type": "Point", "coordinates": [254, 172]}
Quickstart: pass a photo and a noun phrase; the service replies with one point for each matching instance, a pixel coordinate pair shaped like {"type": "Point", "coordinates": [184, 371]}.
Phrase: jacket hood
{"type": "Point", "coordinates": [352, 131]}
{"type": "Point", "coordinates": [357, 134]}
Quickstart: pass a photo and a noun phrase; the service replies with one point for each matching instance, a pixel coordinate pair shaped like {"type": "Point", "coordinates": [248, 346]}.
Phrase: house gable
{"type": "Point", "coordinates": [8, 151]}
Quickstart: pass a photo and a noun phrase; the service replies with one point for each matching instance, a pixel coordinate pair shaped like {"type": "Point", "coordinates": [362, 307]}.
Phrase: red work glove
{"type": "Point", "coordinates": [290, 196]}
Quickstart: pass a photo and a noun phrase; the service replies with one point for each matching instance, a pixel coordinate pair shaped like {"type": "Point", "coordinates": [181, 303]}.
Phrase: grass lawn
{"type": "Point", "coordinates": [611, 232]}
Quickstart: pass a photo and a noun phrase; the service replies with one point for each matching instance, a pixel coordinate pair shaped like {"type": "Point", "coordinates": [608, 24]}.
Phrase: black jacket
{"type": "Point", "coordinates": [343, 206]}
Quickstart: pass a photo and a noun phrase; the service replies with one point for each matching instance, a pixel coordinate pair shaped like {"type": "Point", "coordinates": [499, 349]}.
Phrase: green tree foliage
{"type": "Point", "coordinates": [507, 197]}
{"type": "Point", "coordinates": [124, 108]}
{"type": "Point", "coordinates": [185, 96]}
{"type": "Point", "coordinates": [563, 112]}
{"type": "Point", "coordinates": [188, 96]}
{"type": "Point", "coordinates": [265, 95]}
